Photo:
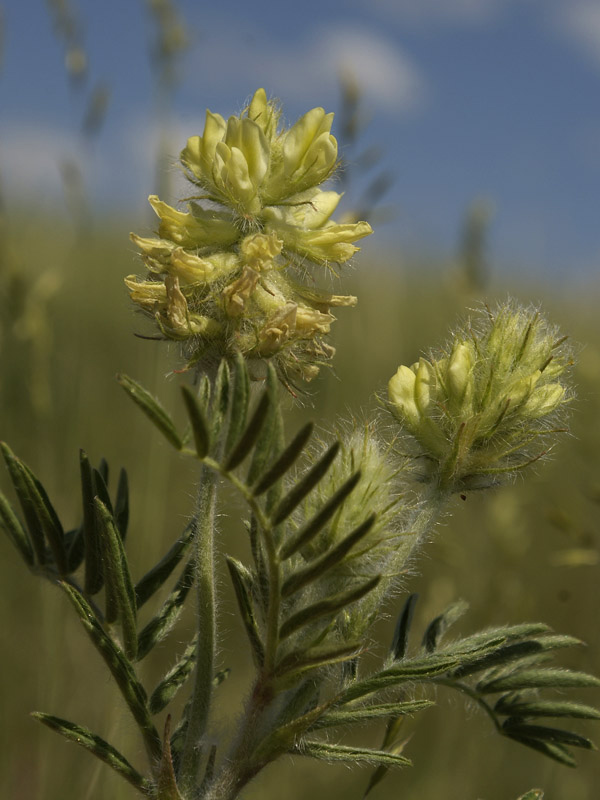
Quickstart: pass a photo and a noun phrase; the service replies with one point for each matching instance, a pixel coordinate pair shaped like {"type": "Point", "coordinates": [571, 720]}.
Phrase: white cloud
{"type": "Point", "coordinates": [307, 69]}
{"type": "Point", "coordinates": [31, 156]}
{"type": "Point", "coordinates": [580, 21]}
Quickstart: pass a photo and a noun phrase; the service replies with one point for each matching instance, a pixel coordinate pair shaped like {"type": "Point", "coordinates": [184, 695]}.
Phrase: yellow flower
{"type": "Point", "coordinates": [238, 253]}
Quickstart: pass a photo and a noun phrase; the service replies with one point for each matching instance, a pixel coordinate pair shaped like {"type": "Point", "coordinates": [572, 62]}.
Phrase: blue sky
{"type": "Point", "coordinates": [497, 99]}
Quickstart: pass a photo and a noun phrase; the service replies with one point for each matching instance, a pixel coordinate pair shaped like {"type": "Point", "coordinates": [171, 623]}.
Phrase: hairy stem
{"type": "Point", "coordinates": [205, 656]}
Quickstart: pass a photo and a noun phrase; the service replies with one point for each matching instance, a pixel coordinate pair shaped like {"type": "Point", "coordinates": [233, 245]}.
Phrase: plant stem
{"type": "Point", "coordinates": [205, 653]}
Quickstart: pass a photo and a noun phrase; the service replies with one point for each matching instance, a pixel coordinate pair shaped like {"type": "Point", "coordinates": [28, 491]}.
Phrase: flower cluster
{"type": "Point", "coordinates": [227, 274]}
{"type": "Point", "coordinates": [477, 412]}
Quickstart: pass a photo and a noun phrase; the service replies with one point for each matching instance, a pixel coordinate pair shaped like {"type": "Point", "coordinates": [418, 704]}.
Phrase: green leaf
{"type": "Point", "coordinates": [533, 794]}
{"type": "Point", "coordinates": [122, 504]}
{"type": "Point", "coordinates": [250, 434]}
{"type": "Point", "coordinates": [39, 513]}
{"type": "Point", "coordinates": [400, 640]}
{"type": "Point", "coordinates": [152, 409]}
{"type": "Point", "coordinates": [120, 668]}
{"type": "Point", "coordinates": [98, 747]}
{"type": "Point", "coordinates": [318, 522]}
{"type": "Point", "coordinates": [538, 679]}
{"type": "Point", "coordinates": [198, 422]}
{"type": "Point", "coordinates": [297, 580]}
{"type": "Point", "coordinates": [494, 636]}
{"type": "Point", "coordinates": [336, 718]}
{"type": "Point", "coordinates": [506, 653]}
{"type": "Point", "coordinates": [240, 400]}
{"type": "Point", "coordinates": [242, 584]}
{"type": "Point", "coordinates": [156, 577]}
{"type": "Point", "coordinates": [414, 669]}
{"type": "Point", "coordinates": [160, 625]}
{"type": "Point", "coordinates": [101, 488]}
{"type": "Point", "coordinates": [557, 752]}
{"type": "Point", "coordinates": [327, 607]}
{"type": "Point", "coordinates": [285, 460]}
{"type": "Point", "coordinates": [326, 751]}
{"type": "Point", "coordinates": [94, 575]}
{"type": "Point", "coordinates": [15, 531]}
{"type": "Point", "coordinates": [305, 485]}
{"type": "Point", "coordinates": [75, 546]}
{"type": "Point", "coordinates": [174, 679]}
{"type": "Point", "coordinates": [267, 442]}
{"type": "Point", "coordinates": [220, 397]}
{"type": "Point", "coordinates": [437, 627]}
{"type": "Point", "coordinates": [500, 655]}
{"type": "Point", "coordinates": [119, 586]}
{"type": "Point", "coordinates": [556, 735]}
{"type": "Point", "coordinates": [544, 708]}
{"type": "Point", "coordinates": [296, 663]}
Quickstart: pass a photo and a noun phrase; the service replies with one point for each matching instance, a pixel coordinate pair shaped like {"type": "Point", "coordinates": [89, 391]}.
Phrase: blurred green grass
{"type": "Point", "coordinates": [529, 551]}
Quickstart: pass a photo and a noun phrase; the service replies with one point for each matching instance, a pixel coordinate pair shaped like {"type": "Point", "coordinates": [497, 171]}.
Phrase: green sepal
{"type": "Point", "coordinates": [327, 607]}
{"type": "Point", "coordinates": [318, 522]}
{"type": "Point", "coordinates": [120, 594]}
{"type": "Point", "coordinates": [166, 782]}
{"type": "Point", "coordinates": [556, 735]}
{"type": "Point", "coordinates": [532, 794]}
{"type": "Point", "coordinates": [242, 584]}
{"type": "Point", "coordinates": [285, 460]}
{"type": "Point", "coordinates": [251, 432]}
{"type": "Point", "coordinates": [437, 627]}
{"type": "Point", "coordinates": [94, 575]}
{"type": "Point", "coordinates": [39, 513]}
{"type": "Point", "coordinates": [340, 717]}
{"type": "Point", "coordinates": [297, 580]}
{"type": "Point", "coordinates": [538, 679]}
{"type": "Point", "coordinates": [200, 429]}
{"type": "Point", "coordinates": [510, 706]}
{"type": "Point", "coordinates": [240, 400]}
{"type": "Point", "coordinates": [156, 577]}
{"type": "Point", "coordinates": [160, 625]}
{"type": "Point", "coordinates": [152, 409]}
{"type": "Point", "coordinates": [305, 485]}
{"type": "Point", "coordinates": [120, 668]}
{"type": "Point", "coordinates": [121, 513]}
{"type": "Point", "coordinates": [400, 640]}
{"type": "Point", "coordinates": [174, 679]}
{"type": "Point", "coordinates": [98, 747]}
{"type": "Point", "coordinates": [325, 751]}
{"type": "Point", "coordinates": [15, 531]}
{"type": "Point", "coordinates": [267, 442]}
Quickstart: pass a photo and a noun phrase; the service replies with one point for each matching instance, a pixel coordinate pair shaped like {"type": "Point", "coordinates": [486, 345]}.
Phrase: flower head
{"type": "Point", "coordinates": [226, 274]}
{"type": "Point", "coordinates": [479, 410]}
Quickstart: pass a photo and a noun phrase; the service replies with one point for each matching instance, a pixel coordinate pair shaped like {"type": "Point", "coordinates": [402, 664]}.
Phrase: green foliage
{"type": "Point", "coordinates": [324, 537]}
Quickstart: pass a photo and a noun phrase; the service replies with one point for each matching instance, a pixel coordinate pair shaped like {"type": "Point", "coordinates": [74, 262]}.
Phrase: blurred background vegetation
{"type": "Point", "coordinates": [530, 551]}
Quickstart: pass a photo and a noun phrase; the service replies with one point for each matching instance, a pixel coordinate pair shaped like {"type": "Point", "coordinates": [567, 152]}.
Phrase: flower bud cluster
{"type": "Point", "coordinates": [375, 506]}
{"type": "Point", "coordinates": [479, 411]}
{"type": "Point", "coordinates": [226, 274]}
